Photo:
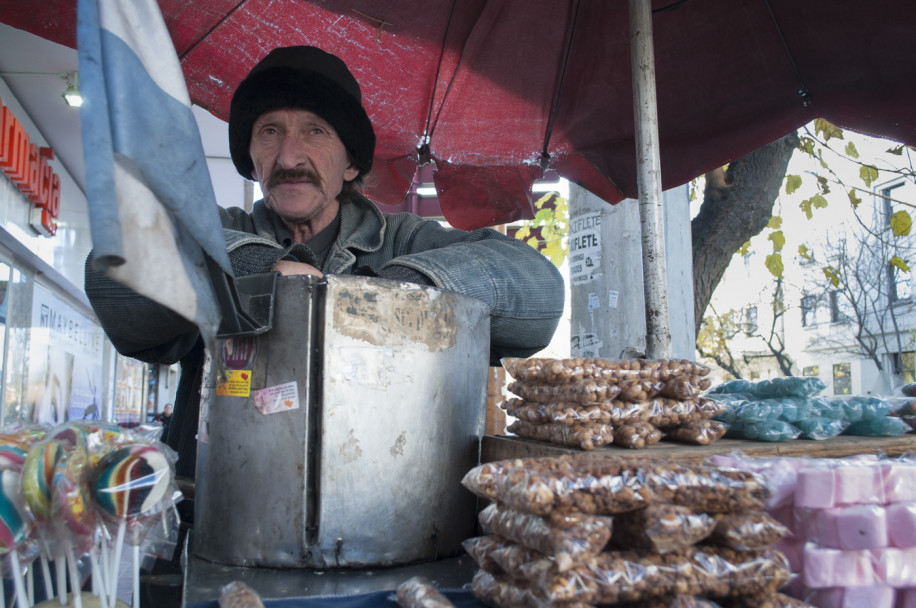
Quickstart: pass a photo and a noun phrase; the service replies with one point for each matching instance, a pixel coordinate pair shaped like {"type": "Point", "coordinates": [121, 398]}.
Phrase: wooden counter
{"type": "Point", "coordinates": [500, 447]}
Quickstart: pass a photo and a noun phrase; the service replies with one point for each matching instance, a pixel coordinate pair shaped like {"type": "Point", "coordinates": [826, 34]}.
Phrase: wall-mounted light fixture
{"type": "Point", "coordinates": [72, 92]}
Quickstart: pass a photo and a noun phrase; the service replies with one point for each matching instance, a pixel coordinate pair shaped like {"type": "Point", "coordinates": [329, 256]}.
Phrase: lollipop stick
{"type": "Point", "coordinates": [75, 587]}
{"type": "Point", "coordinates": [30, 584]}
{"type": "Point", "coordinates": [98, 583]}
{"type": "Point", "coordinates": [135, 600]}
{"type": "Point", "coordinates": [113, 581]}
{"type": "Point", "coordinates": [60, 566]}
{"type": "Point", "coordinates": [21, 600]}
{"type": "Point", "coordinates": [46, 574]}
{"type": "Point", "coordinates": [105, 567]}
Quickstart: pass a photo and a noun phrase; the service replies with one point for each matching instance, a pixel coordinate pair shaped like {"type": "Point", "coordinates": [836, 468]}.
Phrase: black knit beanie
{"type": "Point", "coordinates": [301, 77]}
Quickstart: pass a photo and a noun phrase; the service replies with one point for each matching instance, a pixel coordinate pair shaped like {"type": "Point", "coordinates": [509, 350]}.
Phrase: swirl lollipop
{"type": "Point", "coordinates": [71, 436]}
{"type": "Point", "coordinates": [37, 483]}
{"type": "Point", "coordinates": [14, 527]}
{"type": "Point", "coordinates": [131, 485]}
{"type": "Point", "coordinates": [14, 446]}
{"type": "Point", "coordinates": [38, 478]}
{"type": "Point", "coordinates": [75, 519]}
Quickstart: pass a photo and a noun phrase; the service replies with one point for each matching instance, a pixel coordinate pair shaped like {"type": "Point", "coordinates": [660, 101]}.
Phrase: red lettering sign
{"type": "Point", "coordinates": [27, 166]}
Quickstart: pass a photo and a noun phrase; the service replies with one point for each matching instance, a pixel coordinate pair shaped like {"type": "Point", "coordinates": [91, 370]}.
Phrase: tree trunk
{"type": "Point", "coordinates": [737, 204]}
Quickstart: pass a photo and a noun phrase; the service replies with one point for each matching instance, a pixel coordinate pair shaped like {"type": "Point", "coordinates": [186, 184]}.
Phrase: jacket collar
{"type": "Point", "coordinates": [362, 224]}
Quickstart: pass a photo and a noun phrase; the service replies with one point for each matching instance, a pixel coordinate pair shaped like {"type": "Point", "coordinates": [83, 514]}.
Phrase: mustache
{"type": "Point", "coordinates": [281, 176]}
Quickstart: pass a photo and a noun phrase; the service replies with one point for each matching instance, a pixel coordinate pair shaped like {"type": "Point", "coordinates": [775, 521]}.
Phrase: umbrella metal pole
{"type": "Point", "coordinates": [648, 171]}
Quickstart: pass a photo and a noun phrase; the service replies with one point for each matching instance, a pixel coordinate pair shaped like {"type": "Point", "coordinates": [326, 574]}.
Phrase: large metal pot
{"type": "Point", "coordinates": [339, 437]}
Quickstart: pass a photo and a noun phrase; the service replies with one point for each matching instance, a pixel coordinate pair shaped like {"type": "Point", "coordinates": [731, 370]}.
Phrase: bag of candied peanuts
{"type": "Point", "coordinates": [570, 538]}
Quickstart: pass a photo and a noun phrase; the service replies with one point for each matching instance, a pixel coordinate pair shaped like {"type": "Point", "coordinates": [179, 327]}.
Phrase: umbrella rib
{"type": "Point", "coordinates": [210, 31]}
{"type": "Point", "coordinates": [545, 156]}
{"type": "Point", "coordinates": [428, 131]}
{"type": "Point", "coordinates": [803, 88]}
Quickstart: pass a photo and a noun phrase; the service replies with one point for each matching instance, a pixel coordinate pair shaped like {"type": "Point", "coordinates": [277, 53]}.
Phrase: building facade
{"type": "Point", "coordinates": [844, 309]}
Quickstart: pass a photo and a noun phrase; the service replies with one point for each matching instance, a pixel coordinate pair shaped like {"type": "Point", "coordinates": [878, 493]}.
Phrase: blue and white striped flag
{"type": "Point", "coordinates": [153, 213]}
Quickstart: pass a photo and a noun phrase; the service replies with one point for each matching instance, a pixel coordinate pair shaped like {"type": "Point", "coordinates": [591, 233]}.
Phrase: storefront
{"type": "Point", "coordinates": [55, 362]}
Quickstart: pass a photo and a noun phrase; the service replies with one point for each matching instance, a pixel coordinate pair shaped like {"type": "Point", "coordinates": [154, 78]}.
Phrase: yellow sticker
{"type": "Point", "coordinates": [234, 383]}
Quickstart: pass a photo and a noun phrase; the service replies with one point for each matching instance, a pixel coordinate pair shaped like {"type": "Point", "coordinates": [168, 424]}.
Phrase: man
{"type": "Point", "coordinates": [166, 420]}
{"type": "Point", "coordinates": [297, 126]}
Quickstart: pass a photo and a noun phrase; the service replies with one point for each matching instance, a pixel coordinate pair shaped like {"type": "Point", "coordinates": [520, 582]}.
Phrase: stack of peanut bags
{"type": "Point", "coordinates": [590, 403]}
{"type": "Point", "coordinates": [585, 530]}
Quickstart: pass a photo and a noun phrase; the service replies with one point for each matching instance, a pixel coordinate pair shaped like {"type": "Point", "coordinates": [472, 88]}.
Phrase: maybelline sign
{"type": "Point", "coordinates": [27, 166]}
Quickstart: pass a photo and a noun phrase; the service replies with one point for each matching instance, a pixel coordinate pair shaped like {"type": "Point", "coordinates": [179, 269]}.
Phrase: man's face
{"type": "Point", "coordinates": [301, 164]}
{"type": "Point", "coordinates": [167, 410]}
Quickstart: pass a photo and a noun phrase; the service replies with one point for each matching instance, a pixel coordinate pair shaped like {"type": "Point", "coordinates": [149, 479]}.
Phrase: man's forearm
{"type": "Point", "coordinates": [137, 326]}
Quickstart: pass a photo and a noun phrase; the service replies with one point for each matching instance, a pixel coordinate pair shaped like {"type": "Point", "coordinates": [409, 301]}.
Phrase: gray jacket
{"type": "Point", "coordinates": [523, 289]}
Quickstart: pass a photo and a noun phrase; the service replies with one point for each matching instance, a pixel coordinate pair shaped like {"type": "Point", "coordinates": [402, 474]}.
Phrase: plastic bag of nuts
{"type": "Point", "coordinates": [746, 531]}
{"type": "Point", "coordinates": [419, 592]}
{"type": "Point", "coordinates": [569, 538]}
{"type": "Point", "coordinates": [602, 488]}
{"type": "Point", "coordinates": [627, 576]}
{"type": "Point", "coordinates": [487, 479]}
{"type": "Point", "coordinates": [698, 432]}
{"type": "Point", "coordinates": [605, 485]}
{"type": "Point", "coordinates": [512, 557]}
{"type": "Point", "coordinates": [562, 371]}
{"type": "Point", "coordinates": [684, 387]}
{"type": "Point", "coordinates": [584, 391]}
{"type": "Point", "coordinates": [504, 593]}
{"type": "Point", "coordinates": [481, 549]}
{"type": "Point", "coordinates": [585, 436]}
{"type": "Point", "coordinates": [562, 412]}
{"type": "Point", "coordinates": [613, 577]}
{"type": "Point", "coordinates": [661, 528]}
{"type": "Point", "coordinates": [637, 435]}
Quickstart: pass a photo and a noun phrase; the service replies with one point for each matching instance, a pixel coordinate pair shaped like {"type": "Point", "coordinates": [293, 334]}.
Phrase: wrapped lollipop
{"type": "Point", "coordinates": [15, 445]}
{"type": "Point", "coordinates": [37, 483]}
{"type": "Point", "coordinates": [70, 436]}
{"type": "Point", "coordinates": [132, 486]}
{"type": "Point", "coordinates": [14, 528]}
{"type": "Point", "coordinates": [38, 478]}
{"type": "Point", "coordinates": [76, 524]}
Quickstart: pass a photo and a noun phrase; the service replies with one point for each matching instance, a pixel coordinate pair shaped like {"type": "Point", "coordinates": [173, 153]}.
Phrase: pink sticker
{"type": "Point", "coordinates": [280, 398]}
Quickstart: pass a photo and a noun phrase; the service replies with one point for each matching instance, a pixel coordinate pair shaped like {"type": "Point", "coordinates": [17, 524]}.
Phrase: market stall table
{"type": "Point", "coordinates": [497, 447]}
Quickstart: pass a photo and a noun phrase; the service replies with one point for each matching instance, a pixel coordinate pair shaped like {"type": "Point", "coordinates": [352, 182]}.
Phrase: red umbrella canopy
{"type": "Point", "coordinates": [495, 92]}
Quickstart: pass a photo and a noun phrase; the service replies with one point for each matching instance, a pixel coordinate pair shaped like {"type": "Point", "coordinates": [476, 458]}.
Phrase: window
{"type": "Point", "coordinates": [890, 206]}
{"type": "Point", "coordinates": [898, 282]}
{"type": "Point", "coordinates": [808, 309]}
{"type": "Point", "coordinates": [834, 298]}
{"type": "Point", "coordinates": [842, 379]}
{"type": "Point", "coordinates": [812, 371]}
{"type": "Point", "coordinates": [898, 285]}
{"type": "Point", "coordinates": [750, 320]}
{"type": "Point", "coordinates": [903, 366]}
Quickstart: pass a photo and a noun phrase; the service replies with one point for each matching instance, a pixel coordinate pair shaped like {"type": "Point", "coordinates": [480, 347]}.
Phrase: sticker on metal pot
{"type": "Point", "coordinates": [234, 383]}
{"type": "Point", "coordinates": [239, 352]}
{"type": "Point", "coordinates": [279, 398]}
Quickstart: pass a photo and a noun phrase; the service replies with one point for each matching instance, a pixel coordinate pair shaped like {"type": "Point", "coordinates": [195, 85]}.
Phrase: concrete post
{"type": "Point", "coordinates": [607, 294]}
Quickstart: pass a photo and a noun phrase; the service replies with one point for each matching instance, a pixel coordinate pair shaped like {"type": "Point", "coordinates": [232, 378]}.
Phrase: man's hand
{"type": "Point", "coordinates": [288, 268]}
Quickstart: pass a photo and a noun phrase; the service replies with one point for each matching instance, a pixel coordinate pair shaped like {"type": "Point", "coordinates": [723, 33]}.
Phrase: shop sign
{"type": "Point", "coordinates": [26, 165]}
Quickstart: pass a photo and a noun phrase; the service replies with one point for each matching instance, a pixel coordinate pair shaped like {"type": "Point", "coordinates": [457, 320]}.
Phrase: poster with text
{"type": "Point", "coordinates": [65, 362]}
{"type": "Point", "coordinates": [584, 248]}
